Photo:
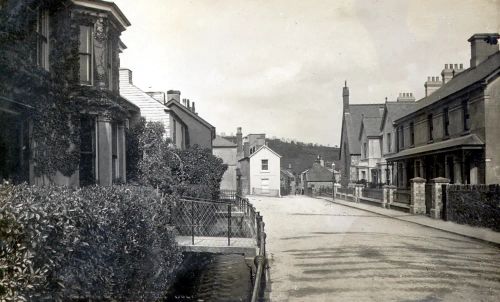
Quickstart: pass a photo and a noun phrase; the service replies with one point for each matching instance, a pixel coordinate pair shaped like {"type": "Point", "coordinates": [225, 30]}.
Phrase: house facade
{"type": "Point", "coordinates": [370, 141]}
{"type": "Point", "coordinates": [453, 132]}
{"type": "Point", "coordinates": [65, 124]}
{"type": "Point", "coordinates": [317, 177]}
{"type": "Point", "coordinates": [261, 172]}
{"type": "Point", "coordinates": [350, 143]}
{"type": "Point", "coordinates": [153, 109]}
{"type": "Point", "coordinates": [226, 150]}
{"type": "Point", "coordinates": [197, 130]}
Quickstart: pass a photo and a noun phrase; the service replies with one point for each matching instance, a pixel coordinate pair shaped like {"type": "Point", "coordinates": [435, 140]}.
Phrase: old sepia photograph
{"type": "Point", "coordinates": [250, 150]}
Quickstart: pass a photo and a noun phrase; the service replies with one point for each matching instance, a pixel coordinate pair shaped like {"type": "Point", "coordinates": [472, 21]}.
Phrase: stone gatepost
{"type": "Point", "coordinates": [437, 196]}
{"type": "Point", "coordinates": [357, 192]}
{"type": "Point", "coordinates": [388, 193]}
{"type": "Point", "coordinates": [336, 186]}
{"type": "Point", "coordinates": [417, 204]}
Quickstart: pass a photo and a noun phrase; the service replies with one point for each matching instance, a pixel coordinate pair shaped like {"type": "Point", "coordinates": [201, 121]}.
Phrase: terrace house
{"type": "Point", "coordinates": [453, 132]}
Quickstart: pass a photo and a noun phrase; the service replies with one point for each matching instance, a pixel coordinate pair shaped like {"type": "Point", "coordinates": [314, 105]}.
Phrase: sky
{"type": "Point", "coordinates": [278, 66]}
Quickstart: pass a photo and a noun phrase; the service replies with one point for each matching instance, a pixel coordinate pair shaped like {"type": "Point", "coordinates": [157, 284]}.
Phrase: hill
{"type": "Point", "coordinates": [301, 156]}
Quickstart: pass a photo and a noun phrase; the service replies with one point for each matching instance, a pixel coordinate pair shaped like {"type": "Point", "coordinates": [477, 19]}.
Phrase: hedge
{"type": "Point", "coordinates": [97, 243]}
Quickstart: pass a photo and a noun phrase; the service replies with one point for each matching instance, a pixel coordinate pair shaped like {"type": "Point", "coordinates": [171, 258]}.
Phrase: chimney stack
{"type": "Point", "coordinates": [482, 46]}
{"type": "Point", "coordinates": [345, 96]}
{"type": "Point", "coordinates": [406, 97]}
{"type": "Point", "coordinates": [432, 84]}
{"type": "Point", "coordinates": [449, 71]}
{"type": "Point", "coordinates": [188, 104]}
{"type": "Point", "coordinates": [126, 75]}
{"type": "Point", "coordinates": [193, 108]}
{"type": "Point", "coordinates": [174, 95]}
{"type": "Point", "coordinates": [239, 142]}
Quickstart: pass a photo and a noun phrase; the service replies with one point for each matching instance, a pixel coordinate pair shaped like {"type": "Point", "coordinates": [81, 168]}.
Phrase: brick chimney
{"type": "Point", "coordinates": [406, 97]}
{"type": "Point", "coordinates": [449, 71]}
{"type": "Point", "coordinates": [174, 94]}
{"type": "Point", "coordinates": [239, 142]}
{"type": "Point", "coordinates": [482, 46]}
{"type": "Point", "coordinates": [126, 75]}
{"type": "Point", "coordinates": [432, 84]}
{"type": "Point", "coordinates": [193, 108]}
{"type": "Point", "coordinates": [345, 97]}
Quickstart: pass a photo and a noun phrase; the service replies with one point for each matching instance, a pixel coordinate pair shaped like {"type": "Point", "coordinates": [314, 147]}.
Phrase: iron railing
{"type": "Point", "coordinates": [373, 193]}
{"type": "Point", "coordinates": [402, 196]}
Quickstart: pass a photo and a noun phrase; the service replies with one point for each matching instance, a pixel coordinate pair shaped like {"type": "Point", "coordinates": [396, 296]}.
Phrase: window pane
{"type": "Point", "coordinates": [84, 39]}
{"type": "Point", "coordinates": [84, 68]}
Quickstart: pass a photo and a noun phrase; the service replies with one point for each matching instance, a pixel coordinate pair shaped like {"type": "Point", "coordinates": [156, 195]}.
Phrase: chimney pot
{"type": "Point", "coordinates": [193, 108]}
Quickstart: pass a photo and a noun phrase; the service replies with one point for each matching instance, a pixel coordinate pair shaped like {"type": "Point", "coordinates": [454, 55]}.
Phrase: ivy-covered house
{"type": "Point", "coordinates": [62, 119]}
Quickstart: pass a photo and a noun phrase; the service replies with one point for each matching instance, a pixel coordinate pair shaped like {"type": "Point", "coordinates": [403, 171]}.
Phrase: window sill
{"type": "Point", "coordinates": [465, 132]}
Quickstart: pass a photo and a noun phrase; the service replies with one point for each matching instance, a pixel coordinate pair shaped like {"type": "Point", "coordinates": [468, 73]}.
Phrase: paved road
{"type": "Point", "coordinates": [321, 251]}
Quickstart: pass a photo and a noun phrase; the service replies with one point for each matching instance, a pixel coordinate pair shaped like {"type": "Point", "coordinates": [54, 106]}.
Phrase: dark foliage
{"type": "Point", "coordinates": [476, 205]}
{"type": "Point", "coordinates": [98, 243]}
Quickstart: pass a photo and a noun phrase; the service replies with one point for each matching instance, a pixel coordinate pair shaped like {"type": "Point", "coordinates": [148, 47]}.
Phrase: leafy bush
{"type": "Point", "coordinates": [191, 172]}
{"type": "Point", "coordinates": [97, 243]}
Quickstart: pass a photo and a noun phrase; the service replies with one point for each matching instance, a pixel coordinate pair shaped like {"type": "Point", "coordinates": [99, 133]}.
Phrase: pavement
{"type": "Point", "coordinates": [319, 250]}
{"type": "Point", "coordinates": [483, 234]}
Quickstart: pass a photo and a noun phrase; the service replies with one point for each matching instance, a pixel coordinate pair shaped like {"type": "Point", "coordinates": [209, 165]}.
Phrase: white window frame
{"type": "Point", "coordinates": [89, 52]}
{"type": "Point", "coordinates": [43, 39]}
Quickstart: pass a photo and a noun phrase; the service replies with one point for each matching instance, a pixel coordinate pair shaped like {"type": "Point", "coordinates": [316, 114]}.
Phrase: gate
{"type": "Point", "coordinates": [428, 198]}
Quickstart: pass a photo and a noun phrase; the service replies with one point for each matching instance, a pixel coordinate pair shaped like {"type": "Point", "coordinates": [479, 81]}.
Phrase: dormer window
{"type": "Point", "coordinates": [42, 36]}
{"type": "Point", "coordinates": [86, 54]}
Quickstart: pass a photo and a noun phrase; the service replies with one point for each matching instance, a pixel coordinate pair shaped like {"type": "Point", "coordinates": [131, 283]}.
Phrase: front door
{"type": "Point", "coordinates": [264, 185]}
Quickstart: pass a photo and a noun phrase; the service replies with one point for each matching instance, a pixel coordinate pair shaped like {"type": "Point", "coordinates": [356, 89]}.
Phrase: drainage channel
{"type": "Point", "coordinates": [211, 277]}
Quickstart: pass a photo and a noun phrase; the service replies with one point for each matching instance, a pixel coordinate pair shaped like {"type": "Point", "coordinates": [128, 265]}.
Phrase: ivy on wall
{"type": "Point", "coordinates": [57, 100]}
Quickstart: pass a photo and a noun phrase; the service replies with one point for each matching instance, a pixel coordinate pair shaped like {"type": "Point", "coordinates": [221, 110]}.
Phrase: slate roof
{"type": "Point", "coordinates": [371, 125]}
{"type": "Point", "coordinates": [221, 142]}
{"type": "Point", "coordinates": [319, 173]}
{"type": "Point", "coordinates": [173, 102]}
{"type": "Point", "coordinates": [353, 123]}
{"type": "Point", "coordinates": [462, 80]}
{"type": "Point", "coordinates": [462, 142]}
{"type": "Point", "coordinates": [262, 147]}
{"type": "Point", "coordinates": [396, 110]}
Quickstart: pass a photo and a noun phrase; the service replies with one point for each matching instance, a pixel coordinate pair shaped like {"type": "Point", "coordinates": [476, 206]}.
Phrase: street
{"type": "Point", "coordinates": [320, 251]}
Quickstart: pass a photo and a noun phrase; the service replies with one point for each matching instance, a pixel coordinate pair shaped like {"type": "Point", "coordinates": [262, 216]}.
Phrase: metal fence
{"type": "Point", "coordinates": [373, 193]}
{"type": "Point", "coordinates": [402, 196]}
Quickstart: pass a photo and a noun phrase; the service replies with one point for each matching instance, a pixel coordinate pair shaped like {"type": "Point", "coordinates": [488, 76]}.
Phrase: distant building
{"type": "Point", "coordinates": [153, 109]}
{"type": "Point", "coordinates": [226, 150]}
{"type": "Point", "coordinates": [317, 177]}
{"type": "Point", "coordinates": [261, 172]}
{"type": "Point", "coordinates": [369, 136]}
{"type": "Point", "coordinates": [288, 183]}
{"type": "Point", "coordinates": [350, 142]}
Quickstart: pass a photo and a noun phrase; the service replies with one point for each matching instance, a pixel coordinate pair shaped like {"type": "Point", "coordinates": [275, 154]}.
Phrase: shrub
{"type": "Point", "coordinates": [191, 172]}
{"type": "Point", "coordinates": [97, 243]}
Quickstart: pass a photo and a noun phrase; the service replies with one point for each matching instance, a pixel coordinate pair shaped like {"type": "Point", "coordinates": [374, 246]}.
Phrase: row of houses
{"type": "Point", "coordinates": [452, 132]}
{"type": "Point", "coordinates": [76, 44]}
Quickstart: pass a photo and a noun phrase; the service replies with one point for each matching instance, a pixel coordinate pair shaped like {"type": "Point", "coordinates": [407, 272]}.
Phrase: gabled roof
{"type": "Point", "coordinates": [319, 173]}
{"type": "Point", "coordinates": [262, 147]}
{"type": "Point", "coordinates": [353, 123]}
{"type": "Point", "coordinates": [466, 78]}
{"type": "Point", "coordinates": [173, 102]}
{"type": "Point", "coordinates": [287, 173]}
{"type": "Point", "coordinates": [221, 142]}
{"type": "Point", "coordinates": [396, 110]}
{"type": "Point", "coordinates": [371, 126]}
